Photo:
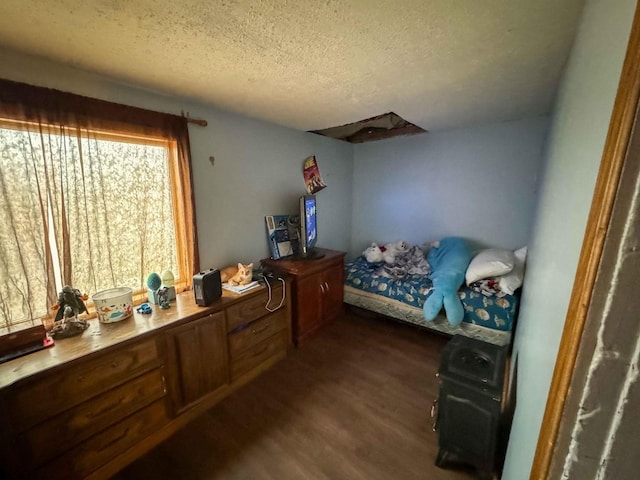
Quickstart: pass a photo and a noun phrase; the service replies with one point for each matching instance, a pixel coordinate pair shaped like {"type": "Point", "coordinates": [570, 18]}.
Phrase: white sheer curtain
{"type": "Point", "coordinates": [88, 206]}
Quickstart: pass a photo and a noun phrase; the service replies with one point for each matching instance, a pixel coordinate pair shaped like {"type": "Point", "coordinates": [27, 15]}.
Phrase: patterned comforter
{"type": "Point", "coordinates": [488, 311]}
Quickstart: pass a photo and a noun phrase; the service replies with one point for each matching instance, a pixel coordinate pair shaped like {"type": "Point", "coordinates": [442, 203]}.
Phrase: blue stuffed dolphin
{"type": "Point", "coordinates": [449, 262]}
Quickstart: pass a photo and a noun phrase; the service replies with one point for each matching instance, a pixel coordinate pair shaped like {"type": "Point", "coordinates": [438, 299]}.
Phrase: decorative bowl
{"type": "Point", "coordinates": [113, 304]}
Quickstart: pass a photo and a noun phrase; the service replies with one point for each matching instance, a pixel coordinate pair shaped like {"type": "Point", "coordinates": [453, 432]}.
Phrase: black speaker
{"type": "Point", "coordinates": [207, 287]}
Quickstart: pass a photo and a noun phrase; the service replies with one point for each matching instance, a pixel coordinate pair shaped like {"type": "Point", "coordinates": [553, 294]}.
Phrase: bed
{"type": "Point", "coordinates": [488, 317]}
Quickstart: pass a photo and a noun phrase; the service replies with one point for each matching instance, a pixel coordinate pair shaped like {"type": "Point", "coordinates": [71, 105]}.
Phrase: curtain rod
{"type": "Point", "coordinates": [197, 121]}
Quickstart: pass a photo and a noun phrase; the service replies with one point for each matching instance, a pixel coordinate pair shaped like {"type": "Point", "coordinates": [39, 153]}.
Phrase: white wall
{"type": "Point", "coordinates": [580, 123]}
{"type": "Point", "coordinates": [257, 172]}
{"type": "Point", "coordinates": [478, 183]}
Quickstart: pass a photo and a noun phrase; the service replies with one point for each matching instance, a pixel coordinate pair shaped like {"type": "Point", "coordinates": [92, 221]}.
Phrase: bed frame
{"type": "Point", "coordinates": [406, 313]}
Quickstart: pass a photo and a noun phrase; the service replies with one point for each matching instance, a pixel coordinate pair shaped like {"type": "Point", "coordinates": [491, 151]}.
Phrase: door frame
{"type": "Point", "coordinates": [608, 179]}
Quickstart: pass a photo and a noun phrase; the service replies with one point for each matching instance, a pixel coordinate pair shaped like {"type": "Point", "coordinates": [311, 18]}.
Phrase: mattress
{"type": "Point", "coordinates": [486, 317]}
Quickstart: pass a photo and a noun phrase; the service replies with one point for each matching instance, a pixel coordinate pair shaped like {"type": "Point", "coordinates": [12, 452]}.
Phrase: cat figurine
{"type": "Point", "coordinates": [240, 275]}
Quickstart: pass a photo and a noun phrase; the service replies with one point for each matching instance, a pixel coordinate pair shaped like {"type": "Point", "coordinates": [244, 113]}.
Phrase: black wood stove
{"type": "Point", "coordinates": [470, 405]}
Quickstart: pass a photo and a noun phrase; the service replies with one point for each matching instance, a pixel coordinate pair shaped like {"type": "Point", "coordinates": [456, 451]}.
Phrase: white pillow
{"type": "Point", "coordinates": [510, 282]}
{"type": "Point", "coordinates": [491, 262]}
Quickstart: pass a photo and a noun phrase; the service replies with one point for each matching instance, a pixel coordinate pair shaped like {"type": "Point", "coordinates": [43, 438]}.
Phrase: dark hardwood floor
{"type": "Point", "coordinates": [352, 403]}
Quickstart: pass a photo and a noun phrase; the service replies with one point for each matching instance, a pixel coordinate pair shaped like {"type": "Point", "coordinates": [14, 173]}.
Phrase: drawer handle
{"type": "Point", "coordinates": [322, 287]}
{"type": "Point", "coordinates": [259, 330]}
{"type": "Point", "coordinates": [434, 414]}
{"type": "Point", "coordinates": [326, 285]}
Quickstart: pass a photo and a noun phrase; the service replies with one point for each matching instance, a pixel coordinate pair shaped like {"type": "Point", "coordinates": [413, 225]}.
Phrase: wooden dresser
{"type": "Point", "coordinates": [318, 290]}
{"type": "Point", "coordinates": [91, 404]}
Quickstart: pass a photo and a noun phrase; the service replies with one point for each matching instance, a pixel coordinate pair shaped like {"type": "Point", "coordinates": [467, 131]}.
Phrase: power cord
{"type": "Point", "coordinates": [284, 293]}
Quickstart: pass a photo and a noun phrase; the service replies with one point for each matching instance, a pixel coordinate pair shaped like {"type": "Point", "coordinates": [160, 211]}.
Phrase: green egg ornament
{"type": "Point", "coordinates": [167, 278]}
{"type": "Point", "coordinates": [154, 281]}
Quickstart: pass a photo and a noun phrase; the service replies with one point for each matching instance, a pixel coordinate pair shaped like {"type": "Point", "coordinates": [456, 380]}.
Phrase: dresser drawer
{"type": "Point", "coordinates": [63, 431]}
{"type": "Point", "coordinates": [104, 446]}
{"type": "Point", "coordinates": [46, 397]}
{"type": "Point", "coordinates": [257, 331]}
{"type": "Point", "coordinates": [253, 308]}
{"type": "Point", "coordinates": [254, 356]}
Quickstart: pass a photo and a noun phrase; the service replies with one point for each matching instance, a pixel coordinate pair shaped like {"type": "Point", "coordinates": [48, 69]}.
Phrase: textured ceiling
{"type": "Point", "coordinates": [312, 64]}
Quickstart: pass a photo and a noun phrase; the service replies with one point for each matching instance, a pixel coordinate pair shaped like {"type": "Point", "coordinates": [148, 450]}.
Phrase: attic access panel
{"type": "Point", "coordinates": [387, 125]}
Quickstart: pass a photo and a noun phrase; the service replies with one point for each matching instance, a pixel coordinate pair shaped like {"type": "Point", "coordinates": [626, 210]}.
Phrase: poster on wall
{"type": "Point", "coordinates": [312, 178]}
{"type": "Point", "coordinates": [282, 234]}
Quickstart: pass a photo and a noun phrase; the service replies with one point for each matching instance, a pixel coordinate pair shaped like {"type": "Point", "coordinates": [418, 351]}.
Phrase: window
{"type": "Point", "coordinates": [92, 194]}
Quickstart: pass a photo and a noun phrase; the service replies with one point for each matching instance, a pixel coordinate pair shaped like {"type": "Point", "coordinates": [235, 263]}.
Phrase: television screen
{"type": "Point", "coordinates": [310, 221]}
{"type": "Point", "coordinates": [308, 226]}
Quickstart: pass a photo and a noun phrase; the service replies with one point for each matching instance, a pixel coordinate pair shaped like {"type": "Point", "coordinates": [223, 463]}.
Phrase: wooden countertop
{"type": "Point", "coordinates": [101, 336]}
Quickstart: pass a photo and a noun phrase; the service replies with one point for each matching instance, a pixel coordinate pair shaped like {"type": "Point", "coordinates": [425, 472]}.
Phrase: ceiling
{"type": "Point", "coordinates": [314, 64]}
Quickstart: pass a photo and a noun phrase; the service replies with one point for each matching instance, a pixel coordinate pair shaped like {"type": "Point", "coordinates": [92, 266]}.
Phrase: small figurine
{"type": "Point", "coordinates": [71, 297]}
{"type": "Point", "coordinates": [145, 309]}
{"type": "Point", "coordinates": [154, 281]}
{"type": "Point", "coordinates": [163, 298]}
{"type": "Point", "coordinates": [167, 278]}
{"type": "Point", "coordinates": [70, 304]}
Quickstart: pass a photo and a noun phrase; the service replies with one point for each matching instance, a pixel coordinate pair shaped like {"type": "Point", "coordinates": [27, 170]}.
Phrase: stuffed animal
{"type": "Point", "coordinates": [427, 246]}
{"type": "Point", "coordinates": [391, 250]}
{"type": "Point", "coordinates": [449, 261]}
{"type": "Point", "coordinates": [373, 254]}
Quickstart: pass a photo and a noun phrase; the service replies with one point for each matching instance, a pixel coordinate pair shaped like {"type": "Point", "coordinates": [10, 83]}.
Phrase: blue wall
{"type": "Point", "coordinates": [257, 171]}
{"type": "Point", "coordinates": [479, 183]}
{"type": "Point", "coordinates": [576, 141]}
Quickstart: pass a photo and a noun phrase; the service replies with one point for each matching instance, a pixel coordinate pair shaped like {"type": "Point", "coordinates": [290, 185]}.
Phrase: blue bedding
{"type": "Point", "coordinates": [497, 313]}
